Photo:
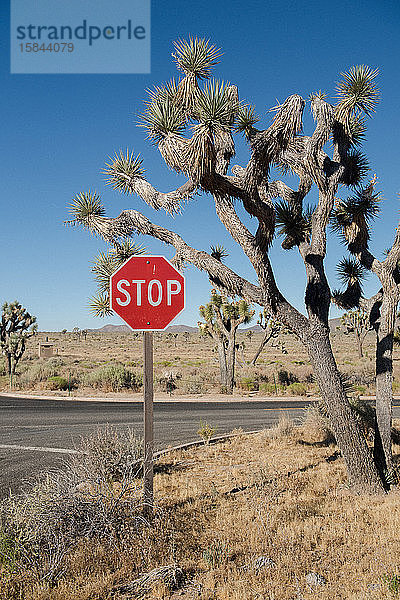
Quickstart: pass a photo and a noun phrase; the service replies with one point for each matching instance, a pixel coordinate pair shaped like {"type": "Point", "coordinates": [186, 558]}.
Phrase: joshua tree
{"type": "Point", "coordinates": [357, 322]}
{"type": "Point", "coordinates": [193, 126]}
{"type": "Point", "coordinates": [16, 326]}
{"type": "Point", "coordinates": [272, 329]}
{"type": "Point", "coordinates": [222, 318]}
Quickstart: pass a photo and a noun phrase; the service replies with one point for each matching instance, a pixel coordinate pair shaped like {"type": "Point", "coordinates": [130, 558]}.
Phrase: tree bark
{"type": "Point", "coordinates": [363, 475]}
{"type": "Point", "coordinates": [384, 391]}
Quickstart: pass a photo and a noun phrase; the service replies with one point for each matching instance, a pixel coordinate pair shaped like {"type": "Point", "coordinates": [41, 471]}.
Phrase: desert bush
{"type": "Point", "coordinates": [3, 370]}
{"type": "Point", "coordinates": [113, 377]}
{"type": "Point", "coordinates": [109, 454]}
{"type": "Point", "coordinates": [39, 526]}
{"type": "Point", "coordinates": [282, 429]}
{"type": "Point", "coordinates": [216, 554]}
{"type": "Point", "coordinates": [316, 425]}
{"type": "Point", "coordinates": [297, 389]}
{"type": "Point", "coordinates": [206, 431]}
{"type": "Point", "coordinates": [168, 380]}
{"type": "Point", "coordinates": [57, 383]}
{"type": "Point", "coordinates": [267, 388]}
{"type": "Point", "coordinates": [194, 386]}
{"type": "Point", "coordinates": [40, 371]}
{"type": "Point", "coordinates": [248, 383]}
{"type": "Point", "coordinates": [286, 377]}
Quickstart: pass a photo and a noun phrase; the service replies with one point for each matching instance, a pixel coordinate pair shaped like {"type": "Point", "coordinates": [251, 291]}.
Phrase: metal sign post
{"type": "Point", "coordinates": [148, 396]}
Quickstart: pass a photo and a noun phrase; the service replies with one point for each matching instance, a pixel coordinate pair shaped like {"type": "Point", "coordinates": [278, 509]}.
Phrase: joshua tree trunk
{"type": "Point", "coordinates": [384, 393]}
{"type": "Point", "coordinates": [227, 356]}
{"type": "Point", "coordinates": [230, 362]}
{"type": "Point", "coordinates": [359, 345]}
{"type": "Point", "coordinates": [363, 475]}
{"type": "Point", "coordinates": [9, 364]}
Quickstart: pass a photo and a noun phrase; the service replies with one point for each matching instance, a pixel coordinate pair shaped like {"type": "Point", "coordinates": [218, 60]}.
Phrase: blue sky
{"type": "Point", "coordinates": [57, 131]}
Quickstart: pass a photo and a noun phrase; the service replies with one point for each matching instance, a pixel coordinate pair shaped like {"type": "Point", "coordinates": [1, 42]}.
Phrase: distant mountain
{"type": "Point", "coordinates": [333, 324]}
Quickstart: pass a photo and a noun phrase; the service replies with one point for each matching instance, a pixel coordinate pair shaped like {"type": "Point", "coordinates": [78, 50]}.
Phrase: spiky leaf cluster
{"type": "Point", "coordinates": [123, 169]}
{"type": "Point", "coordinates": [350, 272]}
{"type": "Point", "coordinates": [196, 57]}
{"type": "Point", "coordinates": [352, 275]}
{"type": "Point", "coordinates": [99, 305]}
{"type": "Point", "coordinates": [85, 207]}
{"type": "Point", "coordinates": [218, 252]}
{"type": "Point", "coordinates": [217, 106]}
{"type": "Point", "coordinates": [292, 223]}
{"type": "Point", "coordinates": [162, 117]}
{"type": "Point", "coordinates": [356, 168]}
{"type": "Point", "coordinates": [357, 92]}
{"type": "Point", "coordinates": [351, 217]}
{"type": "Point", "coordinates": [246, 119]}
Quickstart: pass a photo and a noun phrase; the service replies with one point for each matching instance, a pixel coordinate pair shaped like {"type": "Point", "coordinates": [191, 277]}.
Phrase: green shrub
{"type": "Point", "coordinates": [57, 383]}
{"type": "Point", "coordinates": [40, 371]}
{"type": "Point", "coordinates": [113, 377]}
{"type": "Point", "coordinates": [297, 389]}
{"type": "Point", "coordinates": [248, 383]}
{"type": "Point", "coordinates": [267, 388]}
{"type": "Point", "coordinates": [206, 431]}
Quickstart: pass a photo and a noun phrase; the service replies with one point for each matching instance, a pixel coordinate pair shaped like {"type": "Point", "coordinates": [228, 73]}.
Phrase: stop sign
{"type": "Point", "coordinates": [147, 292]}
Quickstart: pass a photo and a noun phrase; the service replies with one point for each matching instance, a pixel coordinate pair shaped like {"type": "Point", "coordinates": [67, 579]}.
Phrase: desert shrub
{"type": "Point", "coordinates": [216, 554]}
{"type": "Point", "coordinates": [40, 371]}
{"type": "Point", "coordinates": [248, 383]}
{"type": "Point", "coordinates": [297, 389]}
{"type": "Point", "coordinates": [57, 383]}
{"type": "Point", "coordinates": [286, 377]}
{"type": "Point", "coordinates": [113, 377]}
{"type": "Point", "coordinates": [168, 380]}
{"type": "Point", "coordinates": [206, 431]}
{"type": "Point", "coordinates": [194, 386]}
{"type": "Point", "coordinates": [267, 388]}
{"type": "Point", "coordinates": [316, 425]}
{"type": "Point", "coordinates": [3, 370]}
{"type": "Point", "coordinates": [282, 429]}
{"type": "Point", "coordinates": [109, 454]}
{"type": "Point", "coordinates": [39, 526]}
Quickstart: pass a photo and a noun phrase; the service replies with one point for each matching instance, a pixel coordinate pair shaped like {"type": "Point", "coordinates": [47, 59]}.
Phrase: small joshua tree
{"type": "Point", "coordinates": [16, 326]}
{"type": "Point", "coordinates": [222, 317]}
{"type": "Point", "coordinates": [272, 329]}
{"type": "Point", "coordinates": [356, 322]}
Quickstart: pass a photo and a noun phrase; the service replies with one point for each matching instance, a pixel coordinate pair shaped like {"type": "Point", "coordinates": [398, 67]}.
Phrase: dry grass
{"type": "Point", "coordinates": [221, 507]}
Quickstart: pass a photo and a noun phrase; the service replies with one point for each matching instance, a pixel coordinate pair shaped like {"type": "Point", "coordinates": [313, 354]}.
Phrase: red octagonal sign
{"type": "Point", "coordinates": [147, 292]}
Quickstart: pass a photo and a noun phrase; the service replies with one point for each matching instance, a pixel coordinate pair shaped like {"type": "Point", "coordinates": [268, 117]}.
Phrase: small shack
{"type": "Point", "coordinates": [46, 349]}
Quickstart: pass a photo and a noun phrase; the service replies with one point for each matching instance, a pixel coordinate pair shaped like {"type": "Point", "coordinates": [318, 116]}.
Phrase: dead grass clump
{"type": "Point", "coordinates": [315, 426]}
{"type": "Point", "coordinates": [283, 429]}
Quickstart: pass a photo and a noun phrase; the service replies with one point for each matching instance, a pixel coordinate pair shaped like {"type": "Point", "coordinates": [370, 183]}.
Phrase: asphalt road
{"type": "Point", "coordinates": [57, 424]}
